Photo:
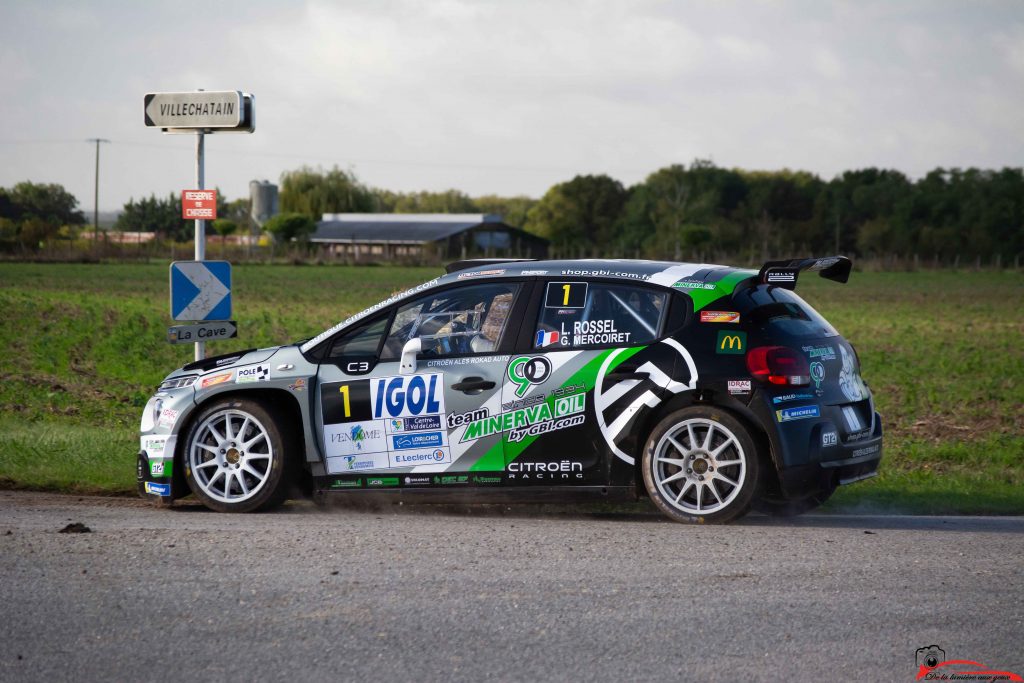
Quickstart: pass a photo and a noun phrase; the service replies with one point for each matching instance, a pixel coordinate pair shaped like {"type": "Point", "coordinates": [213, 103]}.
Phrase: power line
{"type": "Point", "coordinates": [336, 160]}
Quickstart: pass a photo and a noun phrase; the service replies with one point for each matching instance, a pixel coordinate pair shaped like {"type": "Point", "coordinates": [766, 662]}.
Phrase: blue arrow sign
{"type": "Point", "coordinates": [200, 290]}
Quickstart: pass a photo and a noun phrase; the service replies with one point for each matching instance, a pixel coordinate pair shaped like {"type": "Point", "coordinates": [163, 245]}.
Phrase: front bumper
{"type": "Point", "coordinates": [162, 420]}
{"type": "Point", "coordinates": [154, 473]}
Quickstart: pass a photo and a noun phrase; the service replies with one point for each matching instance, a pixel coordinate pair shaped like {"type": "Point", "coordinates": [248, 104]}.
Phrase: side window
{"type": "Point", "coordinates": [459, 321]}
{"type": "Point", "coordinates": [582, 314]}
{"type": "Point", "coordinates": [361, 342]}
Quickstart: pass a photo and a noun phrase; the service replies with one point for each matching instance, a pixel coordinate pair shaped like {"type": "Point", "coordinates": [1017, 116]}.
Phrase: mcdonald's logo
{"type": "Point", "coordinates": [731, 342]}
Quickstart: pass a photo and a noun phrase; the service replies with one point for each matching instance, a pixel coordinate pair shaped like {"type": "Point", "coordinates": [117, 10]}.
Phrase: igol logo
{"type": "Point", "coordinates": [525, 371]}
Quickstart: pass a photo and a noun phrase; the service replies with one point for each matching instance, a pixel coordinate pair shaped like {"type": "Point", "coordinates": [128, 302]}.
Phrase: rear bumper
{"type": "Point", "coordinates": [832, 466]}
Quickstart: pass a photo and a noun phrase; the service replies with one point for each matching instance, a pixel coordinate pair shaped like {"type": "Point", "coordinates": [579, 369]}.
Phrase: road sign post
{"type": "Point", "coordinates": [201, 112]}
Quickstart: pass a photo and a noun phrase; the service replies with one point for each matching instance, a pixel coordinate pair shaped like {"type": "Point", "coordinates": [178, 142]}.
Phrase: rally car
{"type": "Point", "coordinates": [709, 389]}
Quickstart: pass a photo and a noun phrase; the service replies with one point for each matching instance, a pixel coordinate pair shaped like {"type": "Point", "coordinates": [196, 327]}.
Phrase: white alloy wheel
{"type": "Point", "coordinates": [231, 456]}
{"type": "Point", "coordinates": [699, 466]}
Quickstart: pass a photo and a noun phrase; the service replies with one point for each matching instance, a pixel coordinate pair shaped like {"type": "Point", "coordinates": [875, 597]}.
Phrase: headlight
{"type": "Point", "coordinates": [178, 382]}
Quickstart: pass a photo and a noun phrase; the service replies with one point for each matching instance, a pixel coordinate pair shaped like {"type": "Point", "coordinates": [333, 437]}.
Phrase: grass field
{"type": "Point", "coordinates": [85, 347]}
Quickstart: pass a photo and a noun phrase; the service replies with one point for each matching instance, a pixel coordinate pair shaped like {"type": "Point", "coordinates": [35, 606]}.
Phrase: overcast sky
{"type": "Point", "coordinates": [508, 97]}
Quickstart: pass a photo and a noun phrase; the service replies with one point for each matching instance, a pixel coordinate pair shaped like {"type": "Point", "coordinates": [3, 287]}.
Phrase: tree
{"type": "Point", "coordinates": [513, 210]}
{"type": "Point", "coordinates": [580, 213]}
{"type": "Point", "coordinates": [49, 203]}
{"type": "Point", "coordinates": [679, 208]}
{"type": "Point", "coordinates": [224, 227]}
{"type": "Point", "coordinates": [158, 215]}
{"type": "Point", "coordinates": [162, 216]}
{"type": "Point", "coordinates": [449, 201]}
{"type": "Point", "coordinates": [316, 192]}
{"type": "Point", "coordinates": [32, 213]}
{"type": "Point", "coordinates": [286, 227]}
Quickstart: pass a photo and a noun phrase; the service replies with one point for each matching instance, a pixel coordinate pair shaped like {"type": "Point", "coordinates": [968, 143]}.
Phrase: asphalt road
{"type": "Point", "coordinates": [495, 594]}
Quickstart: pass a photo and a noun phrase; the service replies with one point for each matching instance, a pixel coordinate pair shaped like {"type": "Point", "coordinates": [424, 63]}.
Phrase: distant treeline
{"type": "Point", "coordinates": [679, 212]}
{"type": "Point", "coordinates": [683, 210]}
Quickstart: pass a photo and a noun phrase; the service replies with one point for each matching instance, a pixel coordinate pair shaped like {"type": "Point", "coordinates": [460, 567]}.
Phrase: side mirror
{"type": "Point", "coordinates": [409, 352]}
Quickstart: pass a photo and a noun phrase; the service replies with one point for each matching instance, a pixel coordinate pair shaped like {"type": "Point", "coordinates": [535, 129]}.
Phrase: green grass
{"type": "Point", "coordinates": [85, 347]}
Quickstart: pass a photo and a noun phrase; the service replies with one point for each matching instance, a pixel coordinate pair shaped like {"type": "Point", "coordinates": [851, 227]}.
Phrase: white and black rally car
{"type": "Point", "coordinates": [708, 388]}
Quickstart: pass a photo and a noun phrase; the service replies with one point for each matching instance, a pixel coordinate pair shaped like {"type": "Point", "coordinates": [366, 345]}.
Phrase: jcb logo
{"type": "Point", "coordinates": [731, 342]}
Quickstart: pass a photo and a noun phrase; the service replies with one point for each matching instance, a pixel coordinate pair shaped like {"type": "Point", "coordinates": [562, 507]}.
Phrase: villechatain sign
{"type": "Point", "coordinates": [199, 204]}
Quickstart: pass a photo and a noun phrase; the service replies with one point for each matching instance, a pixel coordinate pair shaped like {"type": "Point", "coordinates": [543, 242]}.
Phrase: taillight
{"type": "Point", "coordinates": [779, 365]}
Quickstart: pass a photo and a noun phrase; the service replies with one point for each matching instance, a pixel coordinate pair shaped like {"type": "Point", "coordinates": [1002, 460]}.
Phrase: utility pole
{"type": "Point", "coordinates": [96, 192]}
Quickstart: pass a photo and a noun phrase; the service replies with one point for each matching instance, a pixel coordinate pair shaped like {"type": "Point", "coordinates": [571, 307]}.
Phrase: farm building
{"type": "Point", "coordinates": [424, 235]}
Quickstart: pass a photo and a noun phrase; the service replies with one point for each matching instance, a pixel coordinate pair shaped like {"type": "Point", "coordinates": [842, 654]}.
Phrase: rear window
{"type": "Point", "coordinates": [780, 311]}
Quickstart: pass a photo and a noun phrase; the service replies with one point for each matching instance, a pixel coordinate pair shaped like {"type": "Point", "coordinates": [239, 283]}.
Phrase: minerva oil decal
{"type": "Point", "coordinates": [497, 456]}
{"type": "Point", "coordinates": [723, 287]}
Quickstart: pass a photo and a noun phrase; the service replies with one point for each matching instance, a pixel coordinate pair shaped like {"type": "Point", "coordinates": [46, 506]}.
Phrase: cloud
{"type": "Point", "coordinates": [511, 97]}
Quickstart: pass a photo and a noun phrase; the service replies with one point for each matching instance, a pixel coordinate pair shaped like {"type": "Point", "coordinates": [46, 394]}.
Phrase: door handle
{"type": "Point", "coordinates": [473, 384]}
{"type": "Point", "coordinates": [622, 376]}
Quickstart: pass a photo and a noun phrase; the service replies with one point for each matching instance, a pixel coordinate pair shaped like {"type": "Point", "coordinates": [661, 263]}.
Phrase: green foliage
{"type": "Point", "coordinates": [237, 211]}
{"type": "Point", "coordinates": [580, 213]}
{"type": "Point", "coordinates": [677, 207]}
{"type": "Point", "coordinates": [48, 203]}
{"type": "Point", "coordinates": [286, 227]}
{"type": "Point", "coordinates": [449, 201]}
{"type": "Point", "coordinates": [31, 213]}
{"type": "Point", "coordinates": [316, 192]}
{"type": "Point", "coordinates": [162, 216]}
{"type": "Point", "coordinates": [513, 210]}
{"type": "Point", "coordinates": [159, 215]}
{"type": "Point", "coordinates": [225, 227]}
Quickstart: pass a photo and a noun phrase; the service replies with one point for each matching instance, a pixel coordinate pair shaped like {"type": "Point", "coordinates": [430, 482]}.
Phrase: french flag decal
{"type": "Point", "coordinates": [546, 338]}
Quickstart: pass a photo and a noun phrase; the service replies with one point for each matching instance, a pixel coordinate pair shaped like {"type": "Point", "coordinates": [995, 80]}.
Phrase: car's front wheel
{"type": "Point", "coordinates": [700, 465]}
{"type": "Point", "coordinates": [235, 457]}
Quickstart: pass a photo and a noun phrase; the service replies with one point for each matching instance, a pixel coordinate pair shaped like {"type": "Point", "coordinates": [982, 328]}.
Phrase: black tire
{"type": "Point", "coordinates": [229, 479]}
{"type": "Point", "coordinates": [678, 473]}
{"type": "Point", "coordinates": [791, 508]}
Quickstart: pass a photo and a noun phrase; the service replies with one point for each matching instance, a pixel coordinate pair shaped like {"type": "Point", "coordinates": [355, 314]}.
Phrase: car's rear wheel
{"type": "Point", "coordinates": [700, 465]}
{"type": "Point", "coordinates": [235, 459]}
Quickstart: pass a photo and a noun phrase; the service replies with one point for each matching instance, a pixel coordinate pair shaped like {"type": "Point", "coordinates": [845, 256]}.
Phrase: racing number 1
{"type": "Point", "coordinates": [566, 295]}
{"type": "Point", "coordinates": [344, 395]}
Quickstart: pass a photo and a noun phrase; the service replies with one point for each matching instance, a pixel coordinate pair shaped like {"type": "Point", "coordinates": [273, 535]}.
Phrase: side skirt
{"type": "Point", "coordinates": [456, 492]}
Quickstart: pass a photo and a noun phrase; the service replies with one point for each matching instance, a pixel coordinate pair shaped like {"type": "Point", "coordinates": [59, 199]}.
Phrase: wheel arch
{"type": "Point", "coordinates": [704, 397]}
{"type": "Point", "coordinates": [275, 400]}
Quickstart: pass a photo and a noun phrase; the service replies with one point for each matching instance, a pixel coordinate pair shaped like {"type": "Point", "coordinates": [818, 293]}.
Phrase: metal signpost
{"type": "Point", "coordinates": [200, 113]}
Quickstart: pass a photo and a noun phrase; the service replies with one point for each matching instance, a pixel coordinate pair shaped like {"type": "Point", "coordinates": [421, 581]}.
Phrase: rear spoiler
{"type": "Point", "coordinates": [784, 273]}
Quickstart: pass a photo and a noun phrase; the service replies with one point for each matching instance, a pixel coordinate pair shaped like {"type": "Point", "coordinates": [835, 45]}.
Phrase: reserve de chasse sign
{"type": "Point", "coordinates": [199, 204]}
{"type": "Point", "coordinates": [200, 109]}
